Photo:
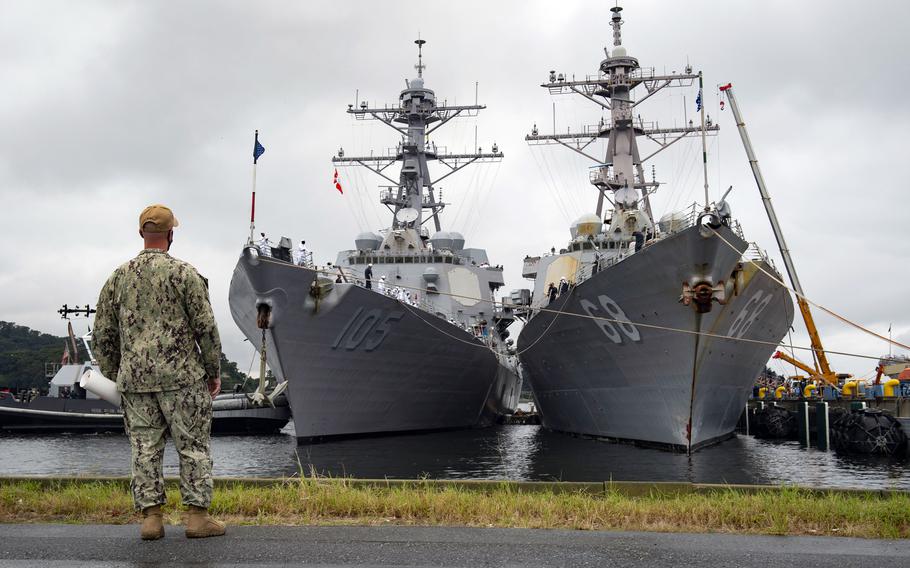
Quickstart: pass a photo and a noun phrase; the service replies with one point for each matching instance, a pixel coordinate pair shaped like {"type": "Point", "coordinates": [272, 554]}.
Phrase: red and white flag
{"type": "Point", "coordinates": [66, 354]}
{"type": "Point", "coordinates": [337, 183]}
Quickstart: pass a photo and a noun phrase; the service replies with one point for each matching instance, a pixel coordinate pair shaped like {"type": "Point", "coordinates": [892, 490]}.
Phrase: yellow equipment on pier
{"type": "Point", "coordinates": [821, 370]}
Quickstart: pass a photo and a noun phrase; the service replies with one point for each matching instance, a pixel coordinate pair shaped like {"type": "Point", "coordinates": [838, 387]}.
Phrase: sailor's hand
{"type": "Point", "coordinates": [214, 384]}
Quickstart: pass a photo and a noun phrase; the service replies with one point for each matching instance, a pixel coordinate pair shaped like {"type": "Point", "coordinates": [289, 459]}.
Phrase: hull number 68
{"type": "Point", "coordinates": [611, 319]}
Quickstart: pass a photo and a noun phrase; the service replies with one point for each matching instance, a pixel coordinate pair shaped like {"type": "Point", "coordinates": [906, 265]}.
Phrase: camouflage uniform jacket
{"type": "Point", "coordinates": [154, 328]}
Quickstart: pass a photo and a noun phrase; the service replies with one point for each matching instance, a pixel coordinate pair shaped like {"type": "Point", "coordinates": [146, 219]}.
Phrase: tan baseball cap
{"type": "Point", "coordinates": [160, 216]}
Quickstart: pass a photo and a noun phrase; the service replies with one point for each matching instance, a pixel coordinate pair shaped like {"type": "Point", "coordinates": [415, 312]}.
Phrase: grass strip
{"type": "Point", "coordinates": [318, 501]}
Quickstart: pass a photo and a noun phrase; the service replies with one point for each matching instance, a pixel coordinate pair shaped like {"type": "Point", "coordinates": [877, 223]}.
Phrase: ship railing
{"type": "Point", "coordinates": [598, 176]}
{"type": "Point", "coordinates": [592, 83]}
{"type": "Point", "coordinates": [756, 253]}
{"type": "Point", "coordinates": [391, 196]}
{"type": "Point", "coordinates": [584, 272]}
{"type": "Point", "coordinates": [444, 256]}
{"type": "Point", "coordinates": [691, 218]}
{"type": "Point", "coordinates": [588, 269]}
{"type": "Point", "coordinates": [642, 73]}
{"type": "Point", "coordinates": [616, 259]}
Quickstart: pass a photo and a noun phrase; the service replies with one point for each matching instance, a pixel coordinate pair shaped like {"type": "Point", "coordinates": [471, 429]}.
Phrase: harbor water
{"type": "Point", "coordinates": [504, 452]}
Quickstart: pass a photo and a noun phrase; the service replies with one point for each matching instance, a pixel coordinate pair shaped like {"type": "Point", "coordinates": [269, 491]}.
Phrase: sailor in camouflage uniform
{"type": "Point", "coordinates": [155, 334]}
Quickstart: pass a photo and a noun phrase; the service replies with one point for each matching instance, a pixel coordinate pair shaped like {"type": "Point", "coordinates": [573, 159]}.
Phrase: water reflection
{"type": "Point", "coordinates": [531, 453]}
{"type": "Point", "coordinates": [509, 452]}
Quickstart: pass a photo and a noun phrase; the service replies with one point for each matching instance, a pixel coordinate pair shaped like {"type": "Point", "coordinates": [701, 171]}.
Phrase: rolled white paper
{"type": "Point", "coordinates": [98, 384]}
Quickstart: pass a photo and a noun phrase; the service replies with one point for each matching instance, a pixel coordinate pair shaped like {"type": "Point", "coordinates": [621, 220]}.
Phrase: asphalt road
{"type": "Point", "coordinates": [48, 546]}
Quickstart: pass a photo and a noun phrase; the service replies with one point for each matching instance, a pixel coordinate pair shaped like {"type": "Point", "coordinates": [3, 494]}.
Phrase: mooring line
{"type": "Point", "coordinates": [612, 320]}
{"type": "Point", "coordinates": [803, 296]}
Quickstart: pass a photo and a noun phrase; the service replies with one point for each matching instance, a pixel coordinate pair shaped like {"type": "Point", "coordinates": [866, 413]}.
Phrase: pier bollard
{"type": "Point", "coordinates": [822, 425]}
{"type": "Point", "coordinates": [802, 423]}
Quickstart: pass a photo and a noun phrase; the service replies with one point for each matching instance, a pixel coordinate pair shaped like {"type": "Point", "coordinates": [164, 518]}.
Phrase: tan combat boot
{"type": "Point", "coordinates": [152, 523]}
{"type": "Point", "coordinates": [200, 525]}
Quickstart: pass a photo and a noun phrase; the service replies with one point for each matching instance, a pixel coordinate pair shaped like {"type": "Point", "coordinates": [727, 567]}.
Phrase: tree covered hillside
{"type": "Point", "coordinates": [24, 352]}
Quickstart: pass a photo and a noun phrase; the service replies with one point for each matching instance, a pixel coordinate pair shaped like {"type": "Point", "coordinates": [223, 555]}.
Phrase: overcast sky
{"type": "Point", "coordinates": [110, 106]}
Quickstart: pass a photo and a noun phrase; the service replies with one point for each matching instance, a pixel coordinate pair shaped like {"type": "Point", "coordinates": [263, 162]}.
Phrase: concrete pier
{"type": "Point", "coordinates": [814, 415]}
{"type": "Point", "coordinates": [898, 407]}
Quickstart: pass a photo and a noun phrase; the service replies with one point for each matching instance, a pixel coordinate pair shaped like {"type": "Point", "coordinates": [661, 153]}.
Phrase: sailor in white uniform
{"type": "Point", "coordinates": [302, 254]}
{"type": "Point", "coordinates": [265, 247]}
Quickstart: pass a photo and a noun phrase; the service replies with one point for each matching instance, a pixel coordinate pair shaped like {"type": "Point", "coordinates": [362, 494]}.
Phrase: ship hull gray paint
{"type": "Point", "coordinates": [421, 373]}
{"type": "Point", "coordinates": [651, 390]}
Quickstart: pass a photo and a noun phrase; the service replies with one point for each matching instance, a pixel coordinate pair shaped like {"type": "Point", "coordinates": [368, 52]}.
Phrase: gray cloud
{"type": "Point", "coordinates": [110, 106]}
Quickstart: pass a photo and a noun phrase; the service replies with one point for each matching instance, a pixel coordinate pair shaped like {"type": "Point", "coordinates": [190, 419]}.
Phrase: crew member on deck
{"type": "Point", "coordinates": [302, 254]}
{"type": "Point", "coordinates": [368, 275]}
{"type": "Point", "coordinates": [551, 292]}
{"type": "Point", "coordinates": [265, 247]}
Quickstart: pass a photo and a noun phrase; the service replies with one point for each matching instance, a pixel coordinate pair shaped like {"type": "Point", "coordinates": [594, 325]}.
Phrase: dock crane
{"type": "Point", "coordinates": [821, 369]}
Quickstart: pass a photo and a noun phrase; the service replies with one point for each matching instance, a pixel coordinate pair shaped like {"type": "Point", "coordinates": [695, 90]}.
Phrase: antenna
{"type": "Point", "coordinates": [420, 66]}
{"type": "Point", "coordinates": [66, 311]}
{"type": "Point", "coordinates": [616, 22]}
{"type": "Point", "coordinates": [414, 188]}
{"type": "Point", "coordinates": [704, 146]}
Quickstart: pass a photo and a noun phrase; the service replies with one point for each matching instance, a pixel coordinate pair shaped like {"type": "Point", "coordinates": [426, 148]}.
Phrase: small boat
{"type": "Point", "coordinates": [70, 408]}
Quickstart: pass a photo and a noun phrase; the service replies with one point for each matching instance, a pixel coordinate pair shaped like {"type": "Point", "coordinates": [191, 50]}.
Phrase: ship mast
{"type": "Point", "coordinates": [415, 117]}
{"type": "Point", "coordinates": [619, 177]}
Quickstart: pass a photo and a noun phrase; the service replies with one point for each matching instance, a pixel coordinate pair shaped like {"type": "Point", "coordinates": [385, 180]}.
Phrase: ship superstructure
{"type": "Point", "coordinates": [402, 333]}
{"type": "Point", "coordinates": [639, 330]}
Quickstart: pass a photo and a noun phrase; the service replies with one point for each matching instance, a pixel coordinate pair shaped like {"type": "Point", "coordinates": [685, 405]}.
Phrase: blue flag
{"type": "Point", "coordinates": [258, 149]}
{"type": "Point", "coordinates": [698, 101]}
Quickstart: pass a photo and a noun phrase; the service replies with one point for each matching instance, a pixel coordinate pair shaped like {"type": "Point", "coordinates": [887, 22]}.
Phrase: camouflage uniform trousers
{"type": "Point", "coordinates": [185, 414]}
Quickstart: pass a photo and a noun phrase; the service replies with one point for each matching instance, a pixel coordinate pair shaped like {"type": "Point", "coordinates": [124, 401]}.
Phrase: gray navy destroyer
{"type": "Point", "coordinates": [647, 335]}
{"type": "Point", "coordinates": [402, 333]}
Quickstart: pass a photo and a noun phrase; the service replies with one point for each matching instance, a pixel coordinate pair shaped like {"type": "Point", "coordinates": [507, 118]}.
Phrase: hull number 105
{"type": "Point", "coordinates": [367, 328]}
